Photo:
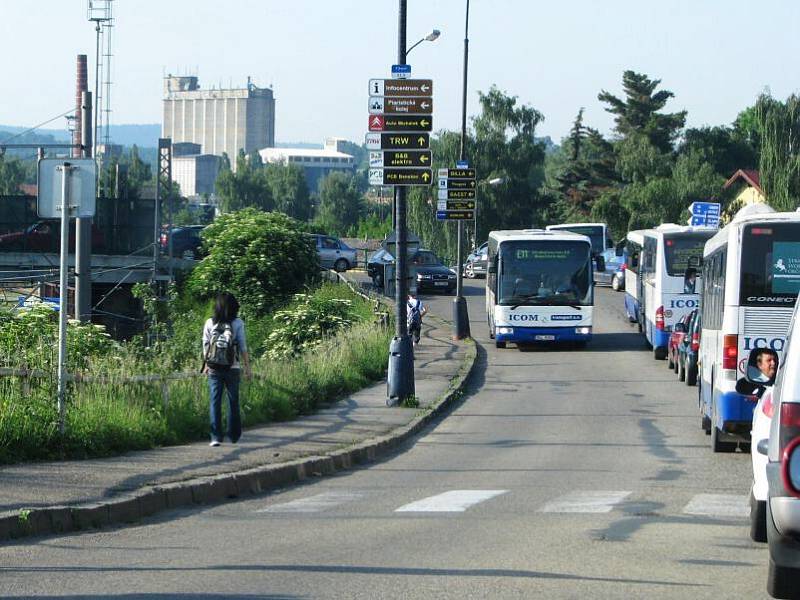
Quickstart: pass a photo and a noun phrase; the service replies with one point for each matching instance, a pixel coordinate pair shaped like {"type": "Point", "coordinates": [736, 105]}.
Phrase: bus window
{"type": "Point", "coordinates": [770, 264]}
{"type": "Point", "coordinates": [678, 251]}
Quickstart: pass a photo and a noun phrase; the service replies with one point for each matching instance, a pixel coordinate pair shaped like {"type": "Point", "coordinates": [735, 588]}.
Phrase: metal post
{"type": "Point", "coordinates": [460, 313]}
{"type": "Point", "coordinates": [83, 227]}
{"type": "Point", "coordinates": [156, 230]}
{"type": "Point", "coordinates": [400, 380]}
{"type": "Point", "coordinates": [62, 298]}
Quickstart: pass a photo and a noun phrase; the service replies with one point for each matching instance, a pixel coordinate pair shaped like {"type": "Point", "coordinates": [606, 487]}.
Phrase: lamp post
{"type": "Point", "coordinates": [432, 36]}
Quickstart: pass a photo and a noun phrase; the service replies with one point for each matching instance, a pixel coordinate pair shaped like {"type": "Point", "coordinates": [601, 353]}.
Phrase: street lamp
{"type": "Point", "coordinates": [432, 36]}
{"type": "Point", "coordinates": [494, 182]}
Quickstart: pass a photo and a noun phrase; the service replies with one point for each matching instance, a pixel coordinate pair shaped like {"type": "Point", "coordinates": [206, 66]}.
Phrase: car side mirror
{"type": "Point", "coordinates": [762, 366]}
{"type": "Point", "coordinates": [679, 328]}
{"type": "Point", "coordinates": [763, 446]}
{"type": "Point", "coordinates": [601, 263]}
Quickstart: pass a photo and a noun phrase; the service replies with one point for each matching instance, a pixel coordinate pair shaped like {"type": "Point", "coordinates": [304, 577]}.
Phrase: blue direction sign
{"type": "Point", "coordinates": [462, 164]}
{"type": "Point", "coordinates": [401, 71]}
{"type": "Point", "coordinates": [704, 221]}
{"type": "Point", "coordinates": [705, 208]}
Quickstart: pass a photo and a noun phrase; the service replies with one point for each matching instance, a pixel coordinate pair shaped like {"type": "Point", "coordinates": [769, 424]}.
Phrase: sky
{"type": "Point", "coordinates": [715, 55]}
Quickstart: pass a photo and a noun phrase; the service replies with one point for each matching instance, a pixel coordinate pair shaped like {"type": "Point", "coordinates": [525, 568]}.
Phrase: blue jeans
{"type": "Point", "coordinates": [217, 382]}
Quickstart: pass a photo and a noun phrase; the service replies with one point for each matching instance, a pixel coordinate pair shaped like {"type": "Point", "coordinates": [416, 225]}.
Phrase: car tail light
{"type": "Point", "coordinates": [767, 407]}
{"type": "Point", "coordinates": [730, 352]}
{"type": "Point", "coordinates": [695, 341]}
{"type": "Point", "coordinates": [790, 459]}
{"type": "Point", "coordinates": [623, 266]}
{"type": "Point", "coordinates": [660, 318]}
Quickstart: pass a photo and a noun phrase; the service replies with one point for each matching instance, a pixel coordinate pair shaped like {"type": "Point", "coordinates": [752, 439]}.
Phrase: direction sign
{"type": "Point", "coordinates": [705, 208]}
{"type": "Point", "coordinates": [448, 194]}
{"type": "Point", "coordinates": [379, 105]}
{"type": "Point", "coordinates": [400, 158]}
{"type": "Point", "coordinates": [401, 87]}
{"type": "Point", "coordinates": [404, 176]}
{"type": "Point", "coordinates": [401, 71]}
{"type": "Point", "coordinates": [397, 141]}
{"type": "Point", "coordinates": [462, 164]}
{"type": "Point", "coordinates": [455, 215]}
{"type": "Point", "coordinates": [455, 205]}
{"type": "Point", "coordinates": [400, 123]}
{"type": "Point", "coordinates": [457, 173]}
{"type": "Point", "coordinates": [704, 221]}
{"type": "Point", "coordinates": [456, 184]}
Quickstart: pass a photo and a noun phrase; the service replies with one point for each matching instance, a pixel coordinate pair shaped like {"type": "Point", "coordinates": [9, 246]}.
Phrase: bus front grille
{"type": "Point", "coordinates": [767, 321]}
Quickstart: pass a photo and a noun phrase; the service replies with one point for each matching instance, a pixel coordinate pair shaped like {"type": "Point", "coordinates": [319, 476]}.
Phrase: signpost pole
{"type": "Point", "coordinates": [400, 377]}
{"type": "Point", "coordinates": [460, 314]}
{"type": "Point", "coordinates": [62, 297]}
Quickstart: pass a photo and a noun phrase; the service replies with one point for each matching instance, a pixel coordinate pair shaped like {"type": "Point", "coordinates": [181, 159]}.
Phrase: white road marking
{"type": "Point", "coordinates": [313, 504]}
{"type": "Point", "coordinates": [718, 505]}
{"type": "Point", "coordinates": [452, 501]}
{"type": "Point", "coordinates": [600, 501]}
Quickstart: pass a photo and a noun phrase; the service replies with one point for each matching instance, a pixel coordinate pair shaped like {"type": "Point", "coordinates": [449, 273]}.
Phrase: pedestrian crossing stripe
{"type": "Point", "coordinates": [718, 505]}
{"type": "Point", "coordinates": [452, 501]}
{"type": "Point", "coordinates": [599, 501]}
{"type": "Point", "coordinates": [312, 504]}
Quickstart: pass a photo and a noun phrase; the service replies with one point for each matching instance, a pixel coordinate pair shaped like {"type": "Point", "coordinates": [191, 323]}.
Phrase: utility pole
{"type": "Point", "coordinates": [460, 313]}
{"type": "Point", "coordinates": [83, 227]}
{"type": "Point", "coordinates": [400, 380]}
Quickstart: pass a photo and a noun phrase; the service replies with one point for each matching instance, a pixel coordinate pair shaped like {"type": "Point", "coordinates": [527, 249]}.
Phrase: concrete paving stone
{"type": "Point", "coordinates": [178, 494]}
{"type": "Point", "coordinates": [60, 519]}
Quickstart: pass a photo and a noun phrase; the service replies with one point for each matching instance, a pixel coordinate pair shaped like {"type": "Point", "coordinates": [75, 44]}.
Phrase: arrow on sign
{"type": "Point", "coordinates": [425, 87]}
{"type": "Point", "coordinates": [426, 177]}
{"type": "Point", "coordinates": [421, 140]}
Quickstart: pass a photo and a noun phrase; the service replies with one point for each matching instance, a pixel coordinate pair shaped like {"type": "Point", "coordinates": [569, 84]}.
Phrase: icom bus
{"type": "Point", "coordinates": [539, 287]}
{"type": "Point", "coordinates": [661, 285]}
{"type": "Point", "coordinates": [596, 232]}
{"type": "Point", "coordinates": [751, 270]}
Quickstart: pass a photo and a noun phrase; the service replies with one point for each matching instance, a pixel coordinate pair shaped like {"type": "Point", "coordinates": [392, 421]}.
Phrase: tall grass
{"type": "Point", "coordinates": [113, 415]}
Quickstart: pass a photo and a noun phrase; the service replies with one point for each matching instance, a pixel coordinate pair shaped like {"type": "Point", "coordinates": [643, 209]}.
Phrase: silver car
{"type": "Point", "coordinates": [335, 254]}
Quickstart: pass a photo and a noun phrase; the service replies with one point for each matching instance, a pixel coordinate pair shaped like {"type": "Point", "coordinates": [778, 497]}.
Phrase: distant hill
{"type": "Point", "coordinates": [142, 135]}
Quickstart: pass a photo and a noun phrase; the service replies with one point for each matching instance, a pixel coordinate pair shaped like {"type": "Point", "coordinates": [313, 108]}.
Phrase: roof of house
{"type": "Point", "coordinates": [749, 175]}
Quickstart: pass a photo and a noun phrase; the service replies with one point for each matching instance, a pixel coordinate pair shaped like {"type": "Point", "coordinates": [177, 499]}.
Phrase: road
{"type": "Point", "coordinates": [562, 474]}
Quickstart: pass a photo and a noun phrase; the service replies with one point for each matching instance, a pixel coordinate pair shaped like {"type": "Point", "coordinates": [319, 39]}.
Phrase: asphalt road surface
{"type": "Point", "coordinates": [563, 474]}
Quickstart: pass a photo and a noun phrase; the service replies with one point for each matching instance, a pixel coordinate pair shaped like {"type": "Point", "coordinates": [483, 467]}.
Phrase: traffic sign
{"type": "Point", "coordinates": [705, 208]}
{"type": "Point", "coordinates": [397, 141]}
{"type": "Point", "coordinates": [400, 123]}
{"type": "Point", "coordinates": [401, 87]}
{"type": "Point", "coordinates": [455, 215]}
{"type": "Point", "coordinates": [462, 164]}
{"type": "Point", "coordinates": [456, 184]}
{"type": "Point", "coordinates": [455, 205]}
{"type": "Point", "coordinates": [704, 221]}
{"type": "Point", "coordinates": [403, 176]}
{"type": "Point", "coordinates": [448, 194]}
{"type": "Point", "coordinates": [401, 71]}
{"type": "Point", "coordinates": [81, 187]}
{"type": "Point", "coordinates": [400, 158]}
{"type": "Point", "coordinates": [379, 105]}
{"type": "Point", "coordinates": [457, 173]}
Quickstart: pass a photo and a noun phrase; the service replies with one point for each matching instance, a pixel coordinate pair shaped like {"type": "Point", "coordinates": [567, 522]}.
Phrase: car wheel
{"type": "Point", "coordinates": [782, 582]}
{"type": "Point", "coordinates": [670, 361]}
{"type": "Point", "coordinates": [341, 265]}
{"type": "Point", "coordinates": [681, 371]}
{"type": "Point", "coordinates": [659, 353]}
{"type": "Point", "coordinates": [717, 445]}
{"type": "Point", "coordinates": [615, 284]}
{"type": "Point", "coordinates": [758, 519]}
{"type": "Point", "coordinates": [469, 271]}
{"type": "Point", "coordinates": [691, 375]}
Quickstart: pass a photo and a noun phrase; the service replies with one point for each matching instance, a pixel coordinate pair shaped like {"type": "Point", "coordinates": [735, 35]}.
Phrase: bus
{"type": "Point", "coordinates": [539, 287]}
{"type": "Point", "coordinates": [661, 286]}
{"type": "Point", "coordinates": [751, 270]}
{"type": "Point", "coordinates": [596, 232]}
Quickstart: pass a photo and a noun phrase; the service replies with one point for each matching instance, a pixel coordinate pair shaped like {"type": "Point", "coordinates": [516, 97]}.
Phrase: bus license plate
{"type": "Point", "coordinates": [545, 338]}
{"type": "Point", "coordinates": [439, 283]}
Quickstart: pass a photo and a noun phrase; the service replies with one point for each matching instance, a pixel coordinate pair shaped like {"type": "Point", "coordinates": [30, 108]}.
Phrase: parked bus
{"type": "Point", "coordinates": [596, 232]}
{"type": "Point", "coordinates": [751, 270]}
{"type": "Point", "coordinates": [660, 285]}
{"type": "Point", "coordinates": [539, 287]}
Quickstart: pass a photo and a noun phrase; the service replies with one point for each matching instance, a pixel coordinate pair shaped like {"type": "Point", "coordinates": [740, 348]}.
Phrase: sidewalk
{"type": "Point", "coordinates": [37, 498]}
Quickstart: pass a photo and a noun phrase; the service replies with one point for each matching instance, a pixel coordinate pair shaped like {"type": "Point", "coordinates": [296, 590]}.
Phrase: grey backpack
{"type": "Point", "coordinates": [221, 352]}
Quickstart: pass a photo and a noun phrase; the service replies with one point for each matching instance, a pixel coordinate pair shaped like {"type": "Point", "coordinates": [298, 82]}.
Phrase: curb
{"type": "Point", "coordinates": [130, 508]}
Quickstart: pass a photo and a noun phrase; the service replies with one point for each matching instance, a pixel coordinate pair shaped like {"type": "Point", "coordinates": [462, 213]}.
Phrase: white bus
{"type": "Point", "coordinates": [539, 287]}
{"type": "Point", "coordinates": [751, 270]}
{"type": "Point", "coordinates": [658, 292]}
{"type": "Point", "coordinates": [596, 232]}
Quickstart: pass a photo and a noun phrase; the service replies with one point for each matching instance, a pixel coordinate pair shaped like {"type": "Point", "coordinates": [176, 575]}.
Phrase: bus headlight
{"type": "Point", "coordinates": [583, 330]}
{"type": "Point", "coordinates": [505, 330]}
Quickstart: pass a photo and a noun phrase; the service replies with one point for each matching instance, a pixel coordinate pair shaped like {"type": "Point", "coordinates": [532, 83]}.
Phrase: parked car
{"type": "Point", "coordinates": [676, 339]}
{"type": "Point", "coordinates": [431, 274]}
{"type": "Point", "coordinates": [45, 236]}
{"type": "Point", "coordinates": [759, 491]}
{"type": "Point", "coordinates": [186, 241]}
{"type": "Point", "coordinates": [612, 265]}
{"type": "Point", "coordinates": [689, 349]}
{"type": "Point", "coordinates": [477, 262]}
{"type": "Point", "coordinates": [335, 254]}
{"type": "Point", "coordinates": [618, 280]}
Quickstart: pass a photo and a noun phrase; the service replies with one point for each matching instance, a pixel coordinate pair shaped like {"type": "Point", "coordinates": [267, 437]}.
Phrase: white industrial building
{"type": "Point", "coordinates": [315, 162]}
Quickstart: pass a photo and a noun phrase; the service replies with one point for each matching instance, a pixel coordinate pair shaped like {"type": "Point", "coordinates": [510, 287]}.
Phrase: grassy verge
{"type": "Point", "coordinates": [116, 416]}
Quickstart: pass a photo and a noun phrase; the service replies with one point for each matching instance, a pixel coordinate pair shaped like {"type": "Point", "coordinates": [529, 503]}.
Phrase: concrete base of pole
{"type": "Point", "coordinates": [460, 318]}
{"type": "Point", "coordinates": [400, 378]}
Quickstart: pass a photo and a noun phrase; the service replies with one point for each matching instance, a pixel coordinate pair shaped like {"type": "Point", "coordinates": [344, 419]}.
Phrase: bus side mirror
{"type": "Point", "coordinates": [492, 269]}
{"type": "Point", "coordinates": [601, 263]}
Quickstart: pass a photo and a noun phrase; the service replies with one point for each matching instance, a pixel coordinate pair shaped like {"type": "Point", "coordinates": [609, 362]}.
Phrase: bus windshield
{"type": "Point", "coordinates": [544, 272]}
{"type": "Point", "coordinates": [679, 249]}
{"type": "Point", "coordinates": [770, 264]}
{"type": "Point", "coordinates": [593, 232]}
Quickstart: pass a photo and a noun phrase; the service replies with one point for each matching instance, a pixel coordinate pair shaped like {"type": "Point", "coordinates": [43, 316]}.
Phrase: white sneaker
{"type": "Point", "coordinates": [214, 443]}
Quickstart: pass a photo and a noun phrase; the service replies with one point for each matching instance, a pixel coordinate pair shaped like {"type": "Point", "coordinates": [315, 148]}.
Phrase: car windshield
{"type": "Point", "coordinates": [427, 259]}
{"type": "Point", "coordinates": [770, 264]}
{"type": "Point", "coordinates": [544, 272]}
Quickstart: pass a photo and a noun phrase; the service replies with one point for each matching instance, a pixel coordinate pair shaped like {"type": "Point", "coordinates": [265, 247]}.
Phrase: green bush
{"type": "Point", "coordinates": [262, 258]}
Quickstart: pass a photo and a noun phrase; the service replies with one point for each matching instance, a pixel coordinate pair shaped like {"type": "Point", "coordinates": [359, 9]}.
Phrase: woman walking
{"type": "Point", "coordinates": [224, 346]}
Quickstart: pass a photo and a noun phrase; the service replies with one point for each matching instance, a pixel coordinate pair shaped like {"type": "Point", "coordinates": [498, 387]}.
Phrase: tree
{"type": "Point", "coordinates": [340, 203]}
{"type": "Point", "coordinates": [638, 112]}
{"type": "Point", "coordinates": [723, 147]}
{"type": "Point", "coordinates": [247, 187]}
{"type": "Point", "coordinates": [289, 191]}
{"type": "Point", "coordinates": [779, 167]}
{"type": "Point", "coordinates": [12, 174]}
